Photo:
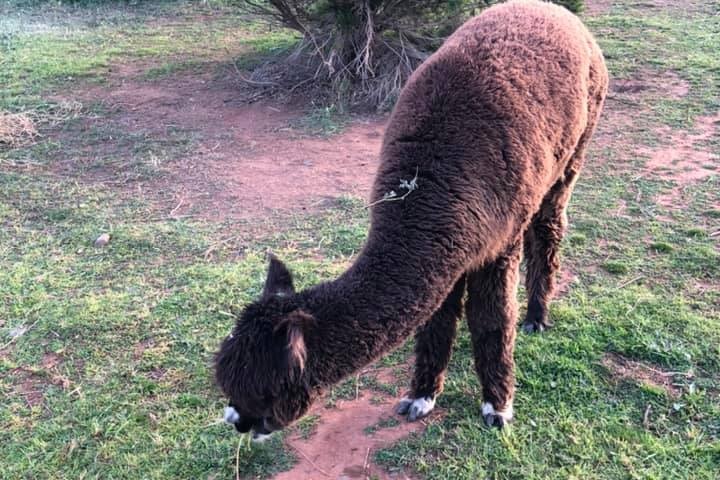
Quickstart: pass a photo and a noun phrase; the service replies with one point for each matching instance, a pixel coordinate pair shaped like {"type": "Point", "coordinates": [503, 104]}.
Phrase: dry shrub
{"type": "Point", "coordinates": [360, 51]}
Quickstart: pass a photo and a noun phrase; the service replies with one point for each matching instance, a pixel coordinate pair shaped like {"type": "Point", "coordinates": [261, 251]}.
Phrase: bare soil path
{"type": "Point", "coordinates": [246, 161]}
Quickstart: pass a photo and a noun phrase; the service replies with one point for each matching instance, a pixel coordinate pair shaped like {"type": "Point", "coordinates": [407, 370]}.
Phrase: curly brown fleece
{"type": "Point", "coordinates": [493, 128]}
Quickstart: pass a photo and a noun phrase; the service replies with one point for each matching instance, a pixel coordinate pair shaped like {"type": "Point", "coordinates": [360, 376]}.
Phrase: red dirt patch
{"type": "Point", "coordinates": [140, 348]}
{"type": "Point", "coordinates": [341, 448]}
{"type": "Point", "coordinates": [246, 161]}
{"type": "Point", "coordinates": [598, 7]}
{"type": "Point", "coordinates": [286, 173]}
{"type": "Point", "coordinates": [51, 360]}
{"type": "Point", "coordinates": [565, 279]}
{"type": "Point", "coordinates": [155, 373]}
{"type": "Point", "coordinates": [639, 372]}
{"type": "Point", "coordinates": [667, 84]}
{"type": "Point", "coordinates": [30, 384]}
{"type": "Point", "coordinates": [623, 123]}
{"type": "Point", "coordinates": [684, 161]}
{"type": "Point", "coordinates": [706, 286]}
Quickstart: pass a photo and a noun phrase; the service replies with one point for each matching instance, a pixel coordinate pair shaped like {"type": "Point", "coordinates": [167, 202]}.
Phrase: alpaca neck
{"type": "Point", "coordinates": [372, 308]}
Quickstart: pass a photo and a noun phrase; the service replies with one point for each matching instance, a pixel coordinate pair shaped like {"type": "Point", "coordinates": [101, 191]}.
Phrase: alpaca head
{"type": "Point", "coordinates": [261, 364]}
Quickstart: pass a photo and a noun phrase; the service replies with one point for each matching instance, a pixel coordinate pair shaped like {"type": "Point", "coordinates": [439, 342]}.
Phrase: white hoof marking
{"type": "Point", "coordinates": [506, 414]}
{"type": "Point", "coordinates": [260, 437]}
{"type": "Point", "coordinates": [416, 407]}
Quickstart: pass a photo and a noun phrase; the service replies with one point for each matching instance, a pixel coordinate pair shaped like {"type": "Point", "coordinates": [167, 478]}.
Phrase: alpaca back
{"type": "Point", "coordinates": [489, 122]}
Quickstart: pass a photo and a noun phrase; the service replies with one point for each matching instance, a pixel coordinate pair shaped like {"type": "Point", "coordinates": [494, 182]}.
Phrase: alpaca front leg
{"type": "Point", "coordinates": [492, 314]}
{"type": "Point", "coordinates": [433, 347]}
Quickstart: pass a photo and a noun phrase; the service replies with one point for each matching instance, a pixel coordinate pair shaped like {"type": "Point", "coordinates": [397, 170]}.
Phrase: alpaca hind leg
{"type": "Point", "coordinates": [542, 249]}
{"type": "Point", "coordinates": [491, 311]}
{"type": "Point", "coordinates": [433, 346]}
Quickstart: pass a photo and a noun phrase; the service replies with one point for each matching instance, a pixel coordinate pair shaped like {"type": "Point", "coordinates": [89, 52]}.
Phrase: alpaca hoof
{"type": "Point", "coordinates": [535, 326]}
{"type": "Point", "coordinates": [532, 327]}
{"type": "Point", "coordinates": [536, 319]}
{"type": "Point", "coordinates": [416, 408]}
{"type": "Point", "coordinates": [493, 420]}
{"type": "Point", "coordinates": [496, 418]}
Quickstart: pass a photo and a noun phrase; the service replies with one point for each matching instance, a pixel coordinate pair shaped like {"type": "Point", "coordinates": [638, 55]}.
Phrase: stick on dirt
{"type": "Point", "coordinates": [314, 465]}
{"type": "Point", "coordinates": [632, 280]}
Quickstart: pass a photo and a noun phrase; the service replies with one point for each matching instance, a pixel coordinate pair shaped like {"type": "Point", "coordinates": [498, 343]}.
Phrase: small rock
{"type": "Point", "coordinates": [102, 240]}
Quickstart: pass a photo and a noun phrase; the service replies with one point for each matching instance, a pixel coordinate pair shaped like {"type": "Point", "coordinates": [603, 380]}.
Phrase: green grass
{"type": "Point", "coordinates": [641, 42]}
{"type": "Point", "coordinates": [112, 375]}
{"type": "Point", "coordinates": [84, 45]}
{"type": "Point", "coordinates": [307, 425]}
{"type": "Point", "coordinates": [388, 422]}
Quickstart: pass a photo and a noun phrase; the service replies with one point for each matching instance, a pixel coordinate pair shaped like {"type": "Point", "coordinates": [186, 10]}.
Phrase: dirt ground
{"type": "Point", "coordinates": [343, 443]}
{"type": "Point", "coordinates": [623, 369]}
{"type": "Point", "coordinates": [602, 7]}
{"type": "Point", "coordinates": [248, 160]}
{"type": "Point", "coordinates": [683, 159]}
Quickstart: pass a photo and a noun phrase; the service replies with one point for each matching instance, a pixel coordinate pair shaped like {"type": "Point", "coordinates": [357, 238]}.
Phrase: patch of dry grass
{"type": "Point", "coordinates": [22, 128]}
{"type": "Point", "coordinates": [16, 129]}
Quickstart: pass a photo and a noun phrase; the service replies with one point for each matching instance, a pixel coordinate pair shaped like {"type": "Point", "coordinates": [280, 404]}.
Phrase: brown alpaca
{"type": "Point", "coordinates": [482, 152]}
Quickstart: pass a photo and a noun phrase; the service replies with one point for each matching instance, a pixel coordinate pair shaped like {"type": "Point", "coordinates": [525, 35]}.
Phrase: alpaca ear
{"type": "Point", "coordinates": [279, 280]}
{"type": "Point", "coordinates": [295, 325]}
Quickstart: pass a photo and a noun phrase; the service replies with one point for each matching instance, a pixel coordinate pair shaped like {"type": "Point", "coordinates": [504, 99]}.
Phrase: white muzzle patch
{"type": "Point", "coordinates": [230, 415]}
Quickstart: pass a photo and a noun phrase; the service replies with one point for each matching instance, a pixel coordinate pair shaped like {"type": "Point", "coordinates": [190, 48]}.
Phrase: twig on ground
{"type": "Point", "coordinates": [365, 465]}
{"type": "Point", "coordinates": [215, 422]}
{"type": "Point", "coordinates": [688, 374]}
{"type": "Point", "coordinates": [632, 280]}
{"type": "Point", "coordinates": [314, 465]}
{"type": "Point", "coordinates": [215, 246]}
{"type": "Point", "coordinates": [251, 82]}
{"type": "Point", "coordinates": [646, 417]}
{"type": "Point", "coordinates": [303, 82]}
{"type": "Point", "coordinates": [237, 459]}
{"type": "Point", "coordinates": [18, 336]}
{"type": "Point", "coordinates": [177, 207]}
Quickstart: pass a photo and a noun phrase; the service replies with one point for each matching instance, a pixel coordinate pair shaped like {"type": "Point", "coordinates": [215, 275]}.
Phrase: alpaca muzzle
{"type": "Point", "coordinates": [259, 427]}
